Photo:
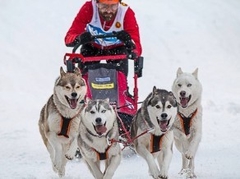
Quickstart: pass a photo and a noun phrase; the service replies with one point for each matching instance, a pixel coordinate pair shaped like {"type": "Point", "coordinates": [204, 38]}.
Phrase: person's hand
{"type": "Point", "coordinates": [126, 39]}
{"type": "Point", "coordinates": [85, 37]}
{"type": "Point", "coordinates": [123, 36]}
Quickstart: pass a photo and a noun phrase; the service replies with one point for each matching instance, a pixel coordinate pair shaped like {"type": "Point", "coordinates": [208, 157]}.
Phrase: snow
{"type": "Point", "coordinates": [186, 33]}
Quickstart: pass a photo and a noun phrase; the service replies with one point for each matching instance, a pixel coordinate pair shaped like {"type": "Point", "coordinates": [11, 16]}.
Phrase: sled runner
{"type": "Point", "coordinates": [105, 80]}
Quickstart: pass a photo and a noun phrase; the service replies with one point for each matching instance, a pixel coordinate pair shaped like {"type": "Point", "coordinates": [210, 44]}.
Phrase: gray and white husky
{"type": "Point", "coordinates": [188, 124]}
{"type": "Point", "coordinates": [98, 138]}
{"type": "Point", "coordinates": [152, 131]}
{"type": "Point", "coordinates": [60, 118]}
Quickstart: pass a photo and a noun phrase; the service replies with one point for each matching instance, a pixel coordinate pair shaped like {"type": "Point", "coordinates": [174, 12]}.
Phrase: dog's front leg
{"type": "Point", "coordinates": [57, 149]}
{"type": "Point", "coordinates": [152, 166]}
{"type": "Point", "coordinates": [112, 165]}
{"type": "Point", "coordinates": [164, 160]}
{"type": "Point", "coordinates": [72, 149]}
{"type": "Point", "coordinates": [94, 168]}
{"type": "Point", "coordinates": [193, 145]}
{"type": "Point", "coordinates": [181, 140]}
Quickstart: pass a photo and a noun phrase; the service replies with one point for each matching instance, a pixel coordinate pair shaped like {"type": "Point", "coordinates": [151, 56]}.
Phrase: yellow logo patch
{"type": "Point", "coordinates": [102, 86]}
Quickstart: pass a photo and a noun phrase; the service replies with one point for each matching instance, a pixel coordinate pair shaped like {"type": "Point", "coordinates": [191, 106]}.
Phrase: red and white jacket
{"type": "Point", "coordinates": [88, 16]}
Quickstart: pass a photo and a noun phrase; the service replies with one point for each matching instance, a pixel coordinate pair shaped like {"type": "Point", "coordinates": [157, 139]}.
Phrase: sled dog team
{"type": "Point", "coordinates": [69, 121]}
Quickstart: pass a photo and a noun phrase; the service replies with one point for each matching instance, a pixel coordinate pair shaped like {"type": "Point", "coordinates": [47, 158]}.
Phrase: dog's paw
{"type": "Point", "coordinates": [187, 173]}
{"type": "Point", "coordinates": [54, 168]}
{"type": "Point", "coordinates": [61, 173]}
{"type": "Point", "coordinates": [155, 174]}
{"type": "Point", "coordinates": [69, 156]}
{"type": "Point", "coordinates": [189, 155]}
{"type": "Point", "coordinates": [59, 170]}
{"type": "Point", "coordinates": [162, 177]}
{"type": "Point", "coordinates": [191, 176]}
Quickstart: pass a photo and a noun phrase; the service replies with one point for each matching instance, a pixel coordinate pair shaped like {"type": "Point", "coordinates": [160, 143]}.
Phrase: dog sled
{"type": "Point", "coordinates": [104, 80]}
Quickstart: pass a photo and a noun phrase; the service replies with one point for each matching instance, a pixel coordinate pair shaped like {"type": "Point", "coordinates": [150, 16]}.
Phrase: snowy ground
{"type": "Point", "coordinates": [187, 34]}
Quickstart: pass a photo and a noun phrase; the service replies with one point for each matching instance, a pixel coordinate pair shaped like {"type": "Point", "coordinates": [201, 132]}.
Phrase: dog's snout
{"type": "Point", "coordinates": [98, 120]}
{"type": "Point", "coordinates": [164, 115]}
{"type": "Point", "coordinates": [183, 93]}
{"type": "Point", "coordinates": [74, 95]}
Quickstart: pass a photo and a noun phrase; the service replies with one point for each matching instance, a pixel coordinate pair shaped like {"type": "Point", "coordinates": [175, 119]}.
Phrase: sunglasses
{"type": "Point", "coordinates": [104, 7]}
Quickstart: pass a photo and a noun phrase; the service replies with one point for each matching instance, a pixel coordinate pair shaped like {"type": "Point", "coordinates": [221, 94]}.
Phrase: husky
{"type": "Point", "coordinates": [60, 118]}
{"type": "Point", "coordinates": [151, 131]}
{"type": "Point", "coordinates": [98, 138]}
{"type": "Point", "coordinates": [188, 124]}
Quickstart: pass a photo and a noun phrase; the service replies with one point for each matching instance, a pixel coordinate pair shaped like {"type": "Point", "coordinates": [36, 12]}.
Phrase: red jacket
{"type": "Point", "coordinates": [84, 17]}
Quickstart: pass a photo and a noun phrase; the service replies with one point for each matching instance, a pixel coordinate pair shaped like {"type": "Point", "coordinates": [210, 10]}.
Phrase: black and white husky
{"type": "Point", "coordinates": [98, 138]}
{"type": "Point", "coordinates": [152, 128]}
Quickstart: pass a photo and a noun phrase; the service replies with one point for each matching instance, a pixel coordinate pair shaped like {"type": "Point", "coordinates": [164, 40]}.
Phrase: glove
{"type": "Point", "coordinates": [123, 36]}
{"type": "Point", "coordinates": [84, 38]}
{"type": "Point", "coordinates": [126, 39]}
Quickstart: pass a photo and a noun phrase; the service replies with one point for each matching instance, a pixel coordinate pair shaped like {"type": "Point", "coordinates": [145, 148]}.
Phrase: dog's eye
{"type": "Point", "coordinates": [67, 87]}
{"type": "Point", "coordinates": [169, 106]}
{"type": "Point", "coordinates": [92, 112]}
{"type": "Point", "coordinates": [179, 85]}
{"type": "Point", "coordinates": [189, 85]}
{"type": "Point", "coordinates": [158, 107]}
{"type": "Point", "coordinates": [77, 87]}
{"type": "Point", "coordinates": [103, 111]}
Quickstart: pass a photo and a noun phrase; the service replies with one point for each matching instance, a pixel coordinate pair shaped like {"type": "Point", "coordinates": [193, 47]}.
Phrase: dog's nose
{"type": "Point", "coordinates": [98, 120]}
{"type": "Point", "coordinates": [164, 115]}
{"type": "Point", "coordinates": [183, 93]}
{"type": "Point", "coordinates": [74, 95]}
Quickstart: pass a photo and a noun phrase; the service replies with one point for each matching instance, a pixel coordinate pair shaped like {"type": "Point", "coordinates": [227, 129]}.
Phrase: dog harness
{"type": "Point", "coordinates": [102, 156]}
{"type": "Point", "coordinates": [155, 143]}
{"type": "Point", "coordinates": [186, 122]}
{"type": "Point", "coordinates": [65, 126]}
{"type": "Point", "coordinates": [66, 123]}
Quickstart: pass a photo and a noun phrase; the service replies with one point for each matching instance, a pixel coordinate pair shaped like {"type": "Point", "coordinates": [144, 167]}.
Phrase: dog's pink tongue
{"type": "Point", "coordinates": [100, 129]}
{"type": "Point", "coordinates": [184, 102]}
{"type": "Point", "coordinates": [73, 103]}
{"type": "Point", "coordinates": [163, 126]}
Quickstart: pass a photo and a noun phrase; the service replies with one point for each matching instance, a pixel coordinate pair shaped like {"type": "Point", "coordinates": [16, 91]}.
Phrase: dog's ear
{"type": "Point", "coordinates": [174, 98]}
{"type": "Point", "coordinates": [62, 72]}
{"type": "Point", "coordinates": [179, 71]}
{"type": "Point", "coordinates": [87, 100]}
{"type": "Point", "coordinates": [77, 71]}
{"type": "Point", "coordinates": [107, 100]}
{"type": "Point", "coordinates": [154, 89]}
{"type": "Point", "coordinates": [151, 95]}
{"type": "Point", "coordinates": [195, 73]}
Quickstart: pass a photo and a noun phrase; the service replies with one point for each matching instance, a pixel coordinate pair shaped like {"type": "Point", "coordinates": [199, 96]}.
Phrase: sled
{"type": "Point", "coordinates": [104, 80]}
